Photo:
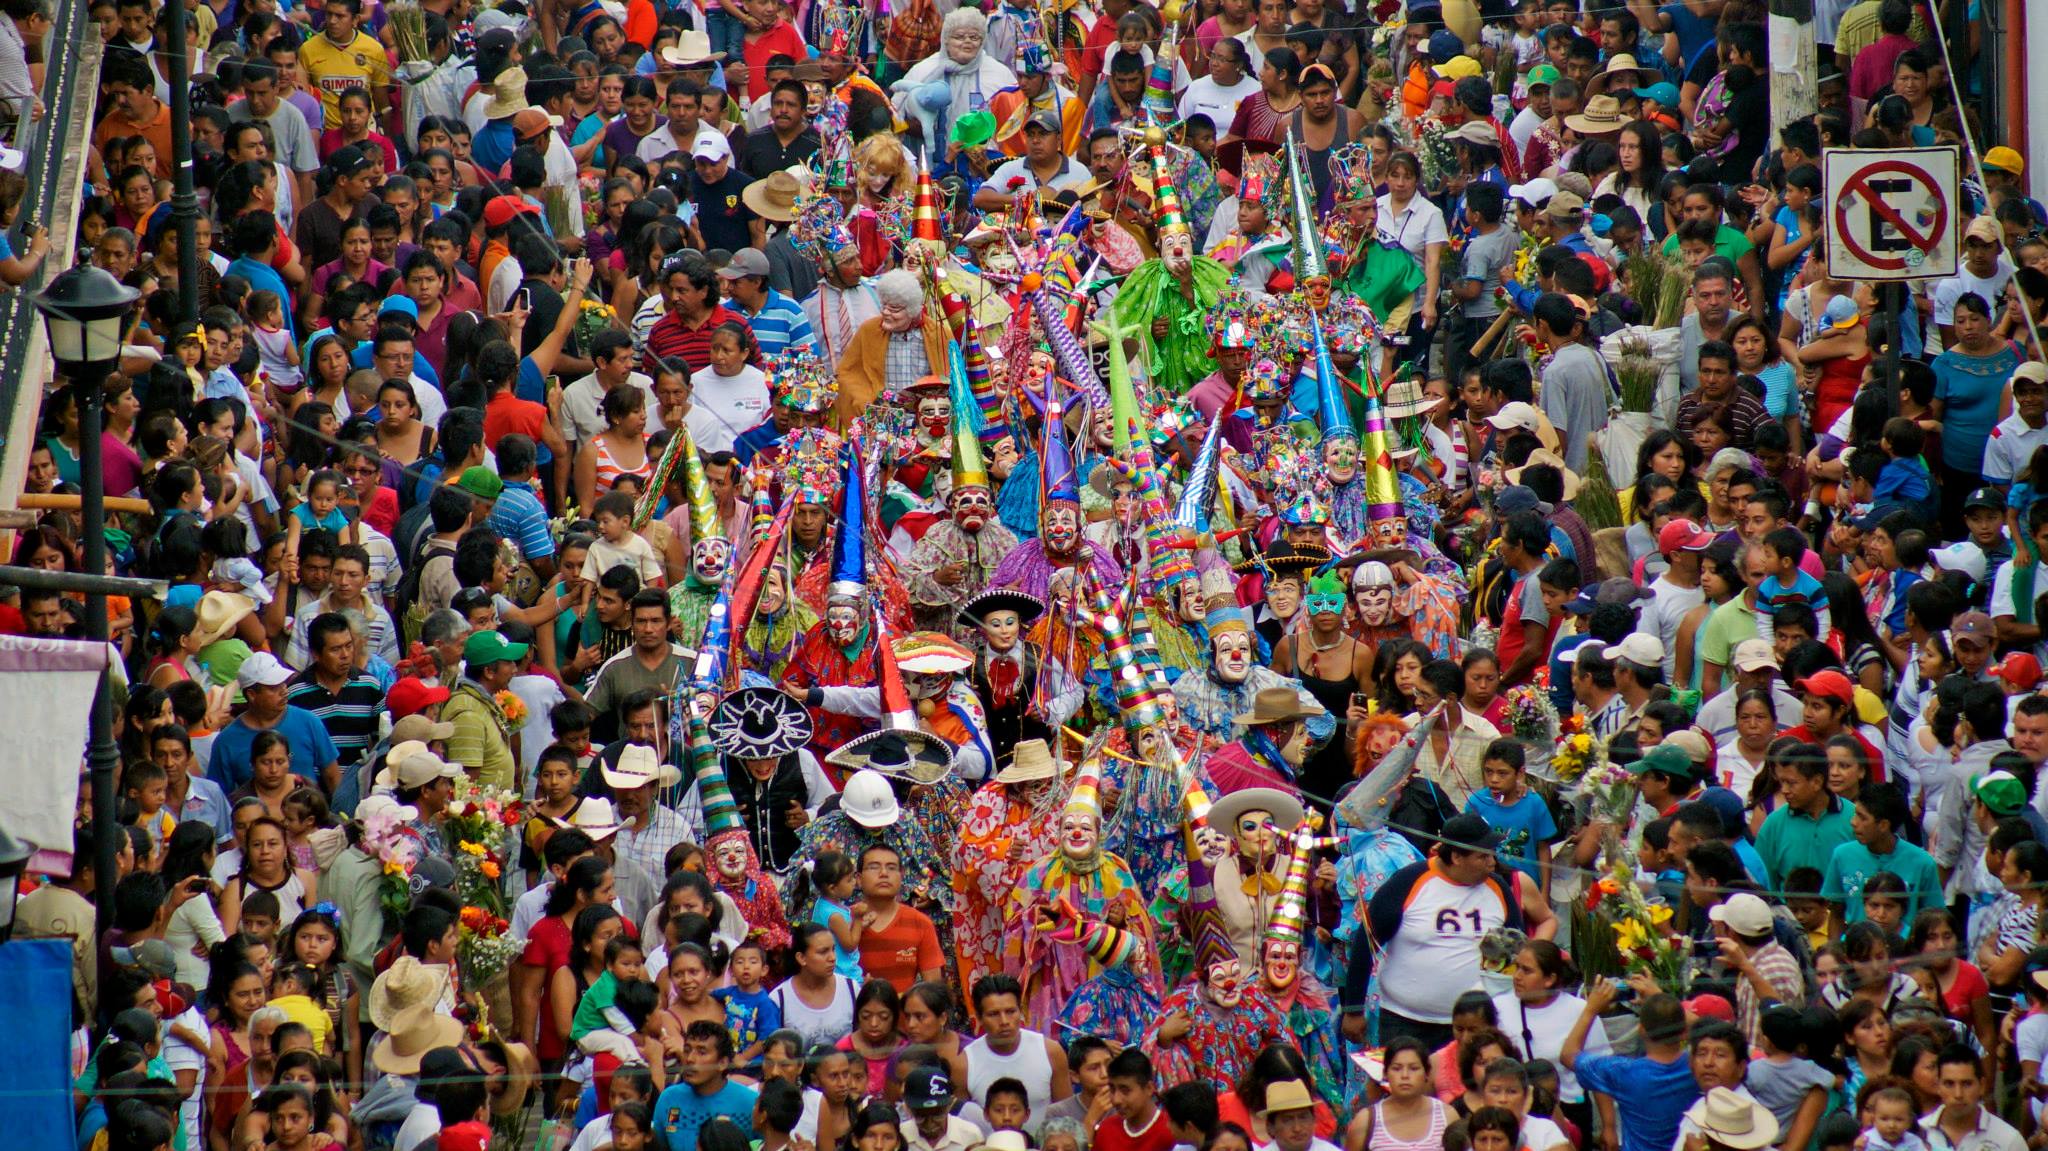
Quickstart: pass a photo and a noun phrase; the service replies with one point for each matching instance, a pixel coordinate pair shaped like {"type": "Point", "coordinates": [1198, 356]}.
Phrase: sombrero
{"type": "Point", "coordinates": [914, 756]}
{"type": "Point", "coordinates": [929, 653]}
{"type": "Point", "coordinates": [1302, 559]}
{"type": "Point", "coordinates": [760, 723]}
{"type": "Point", "coordinates": [1285, 808]}
{"type": "Point", "coordinates": [1028, 607]}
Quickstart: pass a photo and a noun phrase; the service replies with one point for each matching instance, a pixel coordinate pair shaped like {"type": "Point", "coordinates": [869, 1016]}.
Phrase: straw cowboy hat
{"type": "Point", "coordinates": [593, 817]}
{"type": "Point", "coordinates": [522, 1071]}
{"type": "Point", "coordinates": [1546, 456]}
{"type": "Point", "coordinates": [1602, 117]}
{"type": "Point", "coordinates": [692, 50]}
{"type": "Point", "coordinates": [1621, 71]}
{"type": "Point", "coordinates": [1729, 1120]}
{"type": "Point", "coordinates": [1287, 1095]}
{"type": "Point", "coordinates": [638, 766]}
{"type": "Point", "coordinates": [1407, 397]}
{"type": "Point", "coordinates": [1031, 760]}
{"type": "Point", "coordinates": [219, 612]}
{"type": "Point", "coordinates": [405, 1006]}
{"type": "Point", "coordinates": [1285, 809]}
{"type": "Point", "coordinates": [773, 197]}
{"type": "Point", "coordinates": [508, 94]}
{"type": "Point", "coordinates": [1278, 705]}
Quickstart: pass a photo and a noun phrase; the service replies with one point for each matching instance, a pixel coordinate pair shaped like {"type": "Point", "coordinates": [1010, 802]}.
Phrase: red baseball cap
{"type": "Point", "coordinates": [471, 1135]}
{"type": "Point", "coordinates": [500, 211]}
{"type": "Point", "coordinates": [1828, 684]}
{"type": "Point", "coordinates": [411, 695]}
{"type": "Point", "coordinates": [1683, 535]}
{"type": "Point", "coordinates": [2021, 670]}
{"type": "Point", "coordinates": [1711, 1007]}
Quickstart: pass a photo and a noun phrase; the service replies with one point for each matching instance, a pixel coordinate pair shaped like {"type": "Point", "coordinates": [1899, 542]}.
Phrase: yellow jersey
{"type": "Point", "coordinates": [334, 70]}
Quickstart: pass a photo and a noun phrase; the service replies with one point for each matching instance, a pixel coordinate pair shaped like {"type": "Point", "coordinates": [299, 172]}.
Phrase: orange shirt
{"type": "Point", "coordinates": [157, 132]}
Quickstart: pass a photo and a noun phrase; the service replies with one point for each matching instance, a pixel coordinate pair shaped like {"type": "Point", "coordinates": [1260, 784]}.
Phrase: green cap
{"type": "Point", "coordinates": [1542, 76]}
{"type": "Point", "coordinates": [1669, 759]}
{"type": "Point", "coordinates": [481, 482]}
{"type": "Point", "coordinates": [973, 129]}
{"type": "Point", "coordinates": [2001, 791]}
{"type": "Point", "coordinates": [484, 648]}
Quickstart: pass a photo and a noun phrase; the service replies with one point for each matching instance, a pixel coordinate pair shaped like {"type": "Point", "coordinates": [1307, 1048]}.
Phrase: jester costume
{"type": "Point", "coordinates": [1117, 1004]}
{"type": "Point", "coordinates": [729, 847]}
{"type": "Point", "coordinates": [821, 662]}
{"type": "Point", "coordinates": [771, 638]}
{"type": "Point", "coordinates": [1177, 286]}
{"type": "Point", "coordinates": [1008, 825]}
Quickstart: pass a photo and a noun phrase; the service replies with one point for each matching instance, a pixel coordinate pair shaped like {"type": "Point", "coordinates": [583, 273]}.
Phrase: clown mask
{"type": "Point", "coordinates": [999, 629]}
{"type": "Point", "coordinates": [709, 558]}
{"type": "Point", "coordinates": [1296, 748]}
{"type": "Point", "coordinates": [1233, 656]}
{"type": "Point", "coordinates": [1177, 252]}
{"type": "Point", "coordinates": [1226, 983]}
{"type": "Point", "coordinates": [774, 594]}
{"type": "Point", "coordinates": [1192, 605]}
{"type": "Point", "coordinates": [1062, 592]}
{"type": "Point", "coordinates": [1376, 604]}
{"type": "Point", "coordinates": [1379, 740]}
{"type": "Point", "coordinates": [1211, 845]}
{"type": "Point", "coordinates": [934, 416]}
{"type": "Point", "coordinates": [842, 623]}
{"type": "Point", "coordinates": [1318, 289]}
{"type": "Point", "coordinates": [1078, 834]}
{"type": "Point", "coordinates": [1283, 597]}
{"type": "Point", "coordinates": [1340, 459]}
{"type": "Point", "coordinates": [729, 856]}
{"type": "Point", "coordinates": [971, 508]}
{"type": "Point", "coordinates": [1254, 834]}
{"type": "Point", "coordinates": [1282, 961]}
{"type": "Point", "coordinates": [926, 685]}
{"type": "Point", "coordinates": [1062, 531]}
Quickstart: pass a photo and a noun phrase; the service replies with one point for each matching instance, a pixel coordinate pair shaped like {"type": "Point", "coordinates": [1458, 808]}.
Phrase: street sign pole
{"type": "Point", "coordinates": [1895, 305]}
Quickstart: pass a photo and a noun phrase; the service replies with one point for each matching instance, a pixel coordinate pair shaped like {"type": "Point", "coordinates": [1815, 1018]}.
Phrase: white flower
{"type": "Point", "coordinates": [457, 807]}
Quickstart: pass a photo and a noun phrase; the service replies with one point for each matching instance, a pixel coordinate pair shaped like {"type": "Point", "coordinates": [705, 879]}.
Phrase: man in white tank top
{"type": "Point", "coordinates": [1427, 920]}
{"type": "Point", "coordinates": [1009, 1050]}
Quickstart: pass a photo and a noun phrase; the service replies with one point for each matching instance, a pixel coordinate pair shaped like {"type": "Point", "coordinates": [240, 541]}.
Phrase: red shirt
{"type": "Point", "coordinates": [1873, 759]}
{"type": "Point", "coordinates": [691, 345]}
{"type": "Point", "coordinates": [1112, 1135]}
{"type": "Point", "coordinates": [506, 413]}
{"type": "Point", "coordinates": [781, 40]}
{"type": "Point", "coordinates": [908, 945]}
{"type": "Point", "coordinates": [547, 947]}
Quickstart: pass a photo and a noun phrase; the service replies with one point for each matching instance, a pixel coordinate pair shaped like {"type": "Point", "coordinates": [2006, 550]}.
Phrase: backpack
{"type": "Point", "coordinates": [407, 610]}
{"type": "Point", "coordinates": [913, 33]}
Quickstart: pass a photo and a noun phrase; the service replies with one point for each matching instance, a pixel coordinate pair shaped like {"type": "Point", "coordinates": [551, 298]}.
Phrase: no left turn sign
{"type": "Point", "coordinates": [1891, 213]}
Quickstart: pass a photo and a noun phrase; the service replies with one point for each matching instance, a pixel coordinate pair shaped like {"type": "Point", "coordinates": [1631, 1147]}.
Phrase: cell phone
{"type": "Point", "coordinates": [1360, 699]}
{"type": "Point", "coordinates": [526, 299]}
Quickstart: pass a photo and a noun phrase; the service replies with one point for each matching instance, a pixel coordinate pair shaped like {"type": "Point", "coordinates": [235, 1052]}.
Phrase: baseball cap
{"type": "Point", "coordinates": [1639, 648]}
{"type": "Point", "coordinates": [1542, 76]}
{"type": "Point", "coordinates": [1537, 192]}
{"type": "Point", "coordinates": [152, 955]}
{"type": "Point", "coordinates": [410, 764]}
{"type": "Point", "coordinates": [2005, 160]}
{"type": "Point", "coordinates": [2020, 669]}
{"type": "Point", "coordinates": [1470, 830]}
{"type": "Point", "coordinates": [710, 145]}
{"type": "Point", "coordinates": [1711, 1006]}
{"type": "Point", "coordinates": [1458, 68]}
{"type": "Point", "coordinates": [1564, 204]}
{"type": "Point", "coordinates": [1619, 589]}
{"type": "Point", "coordinates": [1516, 498]}
{"type": "Point", "coordinates": [1745, 914]}
{"type": "Point", "coordinates": [481, 482]}
{"type": "Point", "coordinates": [1682, 535]}
{"type": "Point", "coordinates": [348, 160]}
{"type": "Point", "coordinates": [1984, 498]}
{"type": "Point", "coordinates": [500, 211]}
{"type": "Point", "coordinates": [2033, 372]}
{"type": "Point", "coordinates": [745, 262]}
{"type": "Point", "coordinates": [1983, 228]}
{"type": "Point", "coordinates": [1828, 684]}
{"type": "Point", "coordinates": [1516, 414]}
{"type": "Point", "coordinates": [1842, 313]}
{"type": "Point", "coordinates": [1697, 749]}
{"type": "Point", "coordinates": [1754, 655]}
{"type": "Point", "coordinates": [2001, 791]}
{"type": "Point", "coordinates": [399, 306]}
{"type": "Point", "coordinates": [1664, 759]}
{"type": "Point", "coordinates": [1965, 557]}
{"type": "Point", "coordinates": [262, 670]}
{"type": "Point", "coordinates": [530, 122]}
{"type": "Point", "coordinates": [927, 1088]}
{"type": "Point", "coordinates": [488, 647]}
{"type": "Point", "coordinates": [1443, 44]}
{"type": "Point", "coordinates": [1974, 626]}
{"type": "Point", "coordinates": [1664, 92]}
{"type": "Point", "coordinates": [1044, 119]}
{"type": "Point", "coordinates": [412, 695]}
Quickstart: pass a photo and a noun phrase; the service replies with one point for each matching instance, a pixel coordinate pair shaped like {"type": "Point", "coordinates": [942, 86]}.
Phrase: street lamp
{"type": "Point", "coordinates": [14, 856]}
{"type": "Point", "coordinates": [85, 311]}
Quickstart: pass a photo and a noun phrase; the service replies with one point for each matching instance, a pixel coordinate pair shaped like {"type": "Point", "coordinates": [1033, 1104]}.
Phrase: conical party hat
{"type": "Point", "coordinates": [925, 214]}
{"type": "Point", "coordinates": [1138, 696]}
{"type": "Point", "coordinates": [1059, 481]}
{"type": "Point", "coordinates": [1333, 410]}
{"type": "Point", "coordinates": [1309, 263]}
{"type": "Point", "coordinates": [969, 470]}
{"type": "Point", "coordinates": [1383, 507]}
{"type": "Point", "coordinates": [1086, 798]}
{"type": "Point", "coordinates": [679, 448]}
{"type": "Point", "coordinates": [1107, 946]}
{"type": "Point", "coordinates": [850, 550]}
{"type": "Point", "coordinates": [734, 607]}
{"type": "Point", "coordinates": [705, 522]}
{"type": "Point", "coordinates": [993, 423]}
{"type": "Point", "coordinates": [1192, 515]}
{"type": "Point", "coordinates": [721, 814]}
{"type": "Point", "coordinates": [1129, 434]}
{"type": "Point", "coordinates": [897, 714]}
{"type": "Point", "coordinates": [1290, 913]}
{"type": "Point", "coordinates": [1166, 207]}
{"type": "Point", "coordinates": [1202, 919]}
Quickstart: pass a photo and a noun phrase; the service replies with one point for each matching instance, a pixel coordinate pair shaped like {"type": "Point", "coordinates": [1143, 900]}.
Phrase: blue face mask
{"type": "Point", "coordinates": [1324, 604]}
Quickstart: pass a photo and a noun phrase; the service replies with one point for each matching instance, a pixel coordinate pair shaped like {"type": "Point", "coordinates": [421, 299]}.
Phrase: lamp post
{"type": "Point", "coordinates": [14, 855]}
{"type": "Point", "coordinates": [85, 312]}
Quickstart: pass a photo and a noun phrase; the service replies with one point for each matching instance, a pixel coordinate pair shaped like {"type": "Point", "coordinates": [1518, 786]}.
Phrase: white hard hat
{"type": "Point", "coordinates": [869, 800]}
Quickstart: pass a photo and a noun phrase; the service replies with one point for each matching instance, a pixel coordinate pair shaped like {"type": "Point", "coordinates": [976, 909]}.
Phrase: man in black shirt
{"type": "Point", "coordinates": [723, 218]}
{"type": "Point", "coordinates": [788, 138]}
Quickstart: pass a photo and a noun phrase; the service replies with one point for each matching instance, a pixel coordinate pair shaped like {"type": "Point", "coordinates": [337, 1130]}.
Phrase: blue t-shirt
{"type": "Point", "coordinates": [1852, 865]}
{"type": "Point", "coordinates": [263, 278]}
{"type": "Point", "coordinates": [680, 1113]}
{"type": "Point", "coordinates": [845, 961]}
{"type": "Point", "coordinates": [1526, 822]}
{"type": "Point", "coordinates": [1969, 388]}
{"type": "Point", "coordinates": [311, 749]}
{"type": "Point", "coordinates": [1649, 1097]}
{"type": "Point", "coordinates": [750, 1017]}
{"type": "Point", "coordinates": [1772, 593]}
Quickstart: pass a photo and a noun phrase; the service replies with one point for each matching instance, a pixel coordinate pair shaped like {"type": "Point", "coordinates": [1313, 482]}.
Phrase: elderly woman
{"type": "Point", "coordinates": [892, 351]}
{"type": "Point", "coordinates": [971, 78]}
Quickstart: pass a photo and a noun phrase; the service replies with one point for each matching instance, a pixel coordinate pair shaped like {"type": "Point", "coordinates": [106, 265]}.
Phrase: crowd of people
{"type": "Point", "coordinates": [1076, 577]}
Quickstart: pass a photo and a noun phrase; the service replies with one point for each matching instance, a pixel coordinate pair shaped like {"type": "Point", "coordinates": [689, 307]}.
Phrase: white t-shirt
{"type": "Point", "coordinates": [2009, 447]}
{"type": "Point", "coordinates": [2031, 1037]}
{"type": "Point", "coordinates": [1662, 615]}
{"type": "Point", "coordinates": [183, 1056]}
{"type": "Point", "coordinates": [422, 1128]}
{"type": "Point", "coordinates": [540, 694]}
{"type": "Point", "coordinates": [583, 418]}
{"type": "Point", "coordinates": [721, 407]}
{"type": "Point", "coordinates": [829, 1025]}
{"type": "Point", "coordinates": [1072, 175]}
{"type": "Point", "coordinates": [1541, 1032]}
{"type": "Point", "coordinates": [1215, 101]}
{"type": "Point", "coordinates": [1414, 228]}
{"type": "Point", "coordinates": [1947, 292]}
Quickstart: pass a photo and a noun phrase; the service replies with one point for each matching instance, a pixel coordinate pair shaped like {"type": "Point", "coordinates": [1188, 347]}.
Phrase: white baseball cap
{"type": "Point", "coordinates": [262, 670]}
{"type": "Point", "coordinates": [710, 145]}
{"type": "Point", "coordinates": [1639, 648]}
{"type": "Point", "coordinates": [1535, 193]}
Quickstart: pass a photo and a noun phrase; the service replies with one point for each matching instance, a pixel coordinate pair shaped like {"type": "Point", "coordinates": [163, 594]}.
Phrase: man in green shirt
{"type": "Point", "coordinates": [1880, 810]}
{"type": "Point", "coordinates": [1730, 624]}
{"type": "Point", "coordinates": [1809, 823]}
{"type": "Point", "coordinates": [1704, 201]}
{"type": "Point", "coordinates": [482, 741]}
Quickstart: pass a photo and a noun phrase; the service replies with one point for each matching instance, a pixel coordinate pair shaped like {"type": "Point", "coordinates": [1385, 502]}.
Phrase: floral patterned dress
{"type": "Point", "coordinates": [1221, 1045]}
{"type": "Point", "coordinates": [1052, 971]}
{"type": "Point", "coordinates": [1000, 839]}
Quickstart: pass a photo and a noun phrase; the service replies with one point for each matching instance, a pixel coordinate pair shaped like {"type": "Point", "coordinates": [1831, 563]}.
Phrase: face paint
{"type": "Point", "coordinates": [1177, 252]}
{"type": "Point", "coordinates": [1318, 292]}
{"type": "Point", "coordinates": [971, 508]}
{"type": "Point", "coordinates": [1078, 834]}
{"type": "Point", "coordinates": [1062, 532]}
{"type": "Point", "coordinates": [1000, 629]}
{"type": "Point", "coordinates": [1376, 604]}
{"type": "Point", "coordinates": [1233, 656]}
{"type": "Point", "coordinates": [935, 416]}
{"type": "Point", "coordinates": [1282, 963]}
{"type": "Point", "coordinates": [730, 858]}
{"type": "Point", "coordinates": [842, 623]}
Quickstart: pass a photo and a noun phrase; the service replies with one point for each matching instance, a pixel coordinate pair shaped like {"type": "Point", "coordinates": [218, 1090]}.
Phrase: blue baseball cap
{"type": "Point", "coordinates": [399, 304]}
{"type": "Point", "coordinates": [1665, 93]}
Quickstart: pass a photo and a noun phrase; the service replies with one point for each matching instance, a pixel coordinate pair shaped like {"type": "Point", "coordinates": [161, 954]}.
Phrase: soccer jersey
{"type": "Point", "coordinates": [361, 64]}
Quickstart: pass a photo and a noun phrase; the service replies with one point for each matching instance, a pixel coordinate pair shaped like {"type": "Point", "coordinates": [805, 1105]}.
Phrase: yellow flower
{"type": "Point", "coordinates": [1630, 934]}
{"type": "Point", "coordinates": [1582, 743]}
{"type": "Point", "coordinates": [471, 848]}
{"type": "Point", "coordinates": [1660, 914]}
{"type": "Point", "coordinates": [393, 867]}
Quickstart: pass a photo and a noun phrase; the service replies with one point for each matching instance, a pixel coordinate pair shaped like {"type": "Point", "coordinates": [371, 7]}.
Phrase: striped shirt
{"type": "Point", "coordinates": [519, 517]}
{"type": "Point", "coordinates": [669, 338]}
{"type": "Point", "coordinates": [781, 324]}
{"type": "Point", "coordinates": [383, 637]}
{"type": "Point", "coordinates": [349, 715]}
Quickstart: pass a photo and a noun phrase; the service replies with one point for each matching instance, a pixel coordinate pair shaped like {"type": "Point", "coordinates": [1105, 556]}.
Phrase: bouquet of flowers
{"type": "Point", "coordinates": [485, 947]}
{"type": "Point", "coordinates": [1620, 933]}
{"type": "Point", "coordinates": [392, 844]}
{"type": "Point", "coordinates": [595, 316]}
{"type": "Point", "coordinates": [482, 825]}
{"type": "Point", "coordinates": [1531, 716]}
{"type": "Point", "coordinates": [513, 707]}
{"type": "Point", "coordinates": [1611, 791]}
{"type": "Point", "coordinates": [1574, 752]}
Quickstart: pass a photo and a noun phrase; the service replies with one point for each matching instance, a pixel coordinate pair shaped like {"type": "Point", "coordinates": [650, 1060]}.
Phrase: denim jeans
{"type": "Point", "coordinates": [728, 35]}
